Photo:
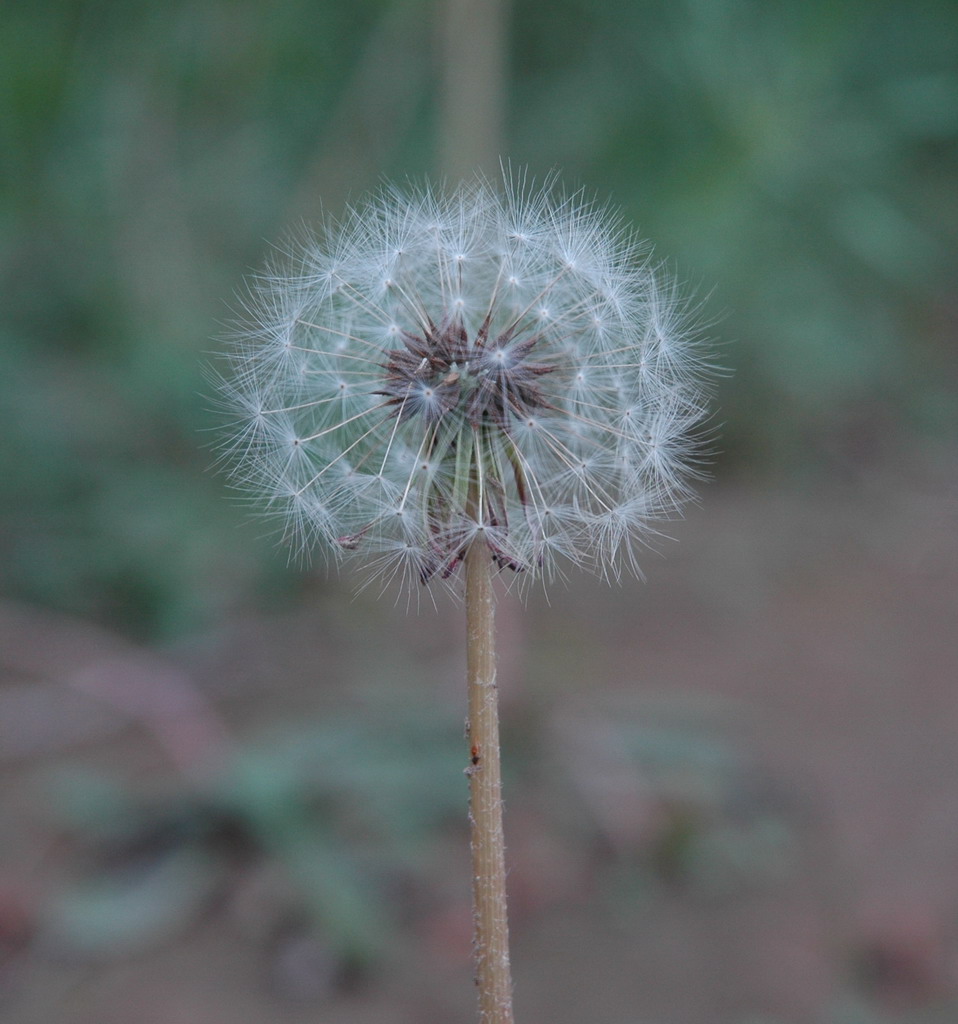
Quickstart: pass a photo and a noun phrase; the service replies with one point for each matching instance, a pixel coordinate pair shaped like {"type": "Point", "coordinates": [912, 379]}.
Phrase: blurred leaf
{"type": "Point", "coordinates": [347, 804]}
{"type": "Point", "coordinates": [127, 910]}
{"type": "Point", "coordinates": [93, 803]}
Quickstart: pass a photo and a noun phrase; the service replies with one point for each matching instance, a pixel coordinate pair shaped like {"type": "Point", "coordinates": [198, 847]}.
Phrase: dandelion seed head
{"type": "Point", "coordinates": [491, 365]}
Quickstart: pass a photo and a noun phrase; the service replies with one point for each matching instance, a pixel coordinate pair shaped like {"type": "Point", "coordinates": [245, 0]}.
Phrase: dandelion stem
{"type": "Point", "coordinates": [490, 923]}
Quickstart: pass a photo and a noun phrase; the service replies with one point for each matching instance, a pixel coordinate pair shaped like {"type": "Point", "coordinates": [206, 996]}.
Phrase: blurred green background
{"type": "Point", "coordinates": [733, 791]}
{"type": "Point", "coordinates": [794, 162]}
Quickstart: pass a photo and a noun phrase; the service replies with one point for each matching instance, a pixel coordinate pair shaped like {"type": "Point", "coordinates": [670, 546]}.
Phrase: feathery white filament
{"type": "Point", "coordinates": [501, 363]}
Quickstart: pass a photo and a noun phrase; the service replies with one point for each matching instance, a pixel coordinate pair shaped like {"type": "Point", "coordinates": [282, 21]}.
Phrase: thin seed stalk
{"type": "Point", "coordinates": [490, 923]}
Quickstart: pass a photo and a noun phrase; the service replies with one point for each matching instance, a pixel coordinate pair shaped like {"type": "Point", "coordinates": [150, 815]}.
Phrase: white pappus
{"type": "Point", "coordinates": [499, 364]}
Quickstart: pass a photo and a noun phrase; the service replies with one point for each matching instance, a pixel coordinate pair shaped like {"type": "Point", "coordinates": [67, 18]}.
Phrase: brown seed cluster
{"type": "Point", "coordinates": [438, 372]}
{"type": "Point", "coordinates": [439, 375]}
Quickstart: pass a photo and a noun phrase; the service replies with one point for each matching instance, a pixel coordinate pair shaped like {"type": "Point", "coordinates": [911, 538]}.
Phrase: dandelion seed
{"type": "Point", "coordinates": [501, 364]}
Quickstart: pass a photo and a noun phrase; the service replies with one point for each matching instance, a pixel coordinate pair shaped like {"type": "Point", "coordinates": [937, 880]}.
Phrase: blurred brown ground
{"type": "Point", "coordinates": [817, 628]}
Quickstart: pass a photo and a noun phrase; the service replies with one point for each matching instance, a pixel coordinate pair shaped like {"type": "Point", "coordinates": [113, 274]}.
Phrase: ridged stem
{"type": "Point", "coordinates": [490, 923]}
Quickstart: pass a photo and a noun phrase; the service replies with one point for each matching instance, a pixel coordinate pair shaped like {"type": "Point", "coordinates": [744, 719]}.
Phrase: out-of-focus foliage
{"type": "Point", "coordinates": [339, 823]}
{"type": "Point", "coordinates": [147, 153]}
{"type": "Point", "coordinates": [340, 810]}
{"type": "Point", "coordinates": [799, 158]}
{"type": "Point", "coordinates": [802, 159]}
{"type": "Point", "coordinates": [673, 801]}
